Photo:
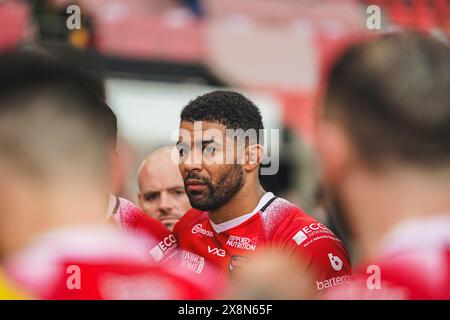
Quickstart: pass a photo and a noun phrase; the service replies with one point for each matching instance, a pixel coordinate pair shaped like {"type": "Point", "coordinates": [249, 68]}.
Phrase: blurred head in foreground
{"type": "Point", "coordinates": [273, 275]}
{"type": "Point", "coordinates": [161, 189]}
{"type": "Point", "coordinates": [53, 149]}
{"type": "Point", "coordinates": [384, 135]}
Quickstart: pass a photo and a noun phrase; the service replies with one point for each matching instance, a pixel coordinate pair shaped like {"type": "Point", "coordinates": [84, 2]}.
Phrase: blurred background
{"type": "Point", "coordinates": [156, 55]}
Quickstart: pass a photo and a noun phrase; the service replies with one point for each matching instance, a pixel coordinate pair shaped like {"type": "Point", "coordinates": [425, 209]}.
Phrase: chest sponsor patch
{"type": "Point", "coordinates": [241, 243]}
{"type": "Point", "coordinates": [198, 229]}
{"type": "Point", "coordinates": [216, 251]}
{"type": "Point", "coordinates": [192, 262]}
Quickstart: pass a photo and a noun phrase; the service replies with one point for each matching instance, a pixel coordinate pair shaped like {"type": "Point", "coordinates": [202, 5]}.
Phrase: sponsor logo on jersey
{"type": "Point", "coordinates": [336, 262]}
{"type": "Point", "coordinates": [300, 237]}
{"type": "Point", "coordinates": [164, 248]}
{"type": "Point", "coordinates": [315, 226]}
{"type": "Point", "coordinates": [192, 262]}
{"type": "Point", "coordinates": [198, 228]}
{"type": "Point", "coordinates": [241, 243]}
{"type": "Point", "coordinates": [313, 232]}
{"type": "Point", "coordinates": [332, 282]}
{"type": "Point", "coordinates": [216, 251]}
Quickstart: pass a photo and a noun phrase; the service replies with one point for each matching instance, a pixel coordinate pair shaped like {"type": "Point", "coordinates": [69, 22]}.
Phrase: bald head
{"type": "Point", "coordinates": [161, 189]}
{"type": "Point", "coordinates": [150, 165]}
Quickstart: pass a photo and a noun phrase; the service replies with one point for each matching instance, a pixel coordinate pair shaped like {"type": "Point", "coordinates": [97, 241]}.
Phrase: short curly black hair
{"type": "Point", "coordinates": [229, 108]}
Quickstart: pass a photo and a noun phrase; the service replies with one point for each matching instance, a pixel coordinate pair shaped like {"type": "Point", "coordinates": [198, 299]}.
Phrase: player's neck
{"type": "Point", "coordinates": [243, 202]}
{"type": "Point", "coordinates": [55, 211]}
{"type": "Point", "coordinates": [379, 207]}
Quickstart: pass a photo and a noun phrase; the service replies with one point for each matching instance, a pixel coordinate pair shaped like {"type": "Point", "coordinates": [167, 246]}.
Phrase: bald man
{"type": "Point", "coordinates": [161, 189]}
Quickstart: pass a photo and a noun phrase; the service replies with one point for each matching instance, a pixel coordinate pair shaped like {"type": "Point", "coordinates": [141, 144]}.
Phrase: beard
{"type": "Point", "coordinates": [216, 194]}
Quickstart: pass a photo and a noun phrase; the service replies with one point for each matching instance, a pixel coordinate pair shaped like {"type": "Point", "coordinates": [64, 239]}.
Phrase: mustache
{"type": "Point", "coordinates": [195, 176]}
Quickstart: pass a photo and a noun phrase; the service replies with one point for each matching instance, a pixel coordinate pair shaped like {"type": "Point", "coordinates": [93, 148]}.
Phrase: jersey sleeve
{"type": "Point", "coordinates": [319, 250]}
{"type": "Point", "coordinates": [152, 227]}
{"type": "Point", "coordinates": [178, 227]}
{"type": "Point", "coordinates": [159, 241]}
{"type": "Point", "coordinates": [182, 226]}
{"type": "Point", "coordinates": [135, 220]}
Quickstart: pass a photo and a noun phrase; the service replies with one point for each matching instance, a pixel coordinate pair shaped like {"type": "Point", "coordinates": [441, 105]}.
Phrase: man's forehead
{"type": "Point", "coordinates": [202, 131]}
{"type": "Point", "coordinates": [202, 126]}
{"type": "Point", "coordinates": [160, 167]}
{"type": "Point", "coordinates": [160, 177]}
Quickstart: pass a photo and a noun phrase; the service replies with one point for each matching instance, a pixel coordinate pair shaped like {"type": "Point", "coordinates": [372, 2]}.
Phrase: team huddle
{"type": "Point", "coordinates": [204, 227]}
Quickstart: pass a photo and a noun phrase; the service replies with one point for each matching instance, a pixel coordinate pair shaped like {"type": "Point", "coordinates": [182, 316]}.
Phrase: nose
{"type": "Point", "coordinates": [165, 203]}
{"type": "Point", "coordinates": [190, 167]}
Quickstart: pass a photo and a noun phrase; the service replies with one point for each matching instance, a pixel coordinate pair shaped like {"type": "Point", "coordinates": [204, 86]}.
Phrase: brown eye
{"type": "Point", "coordinates": [151, 197]}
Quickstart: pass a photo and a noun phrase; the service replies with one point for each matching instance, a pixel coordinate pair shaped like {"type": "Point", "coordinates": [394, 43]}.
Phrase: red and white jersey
{"type": "Point", "coordinates": [99, 263]}
{"type": "Point", "coordinates": [160, 242]}
{"type": "Point", "coordinates": [274, 224]}
{"type": "Point", "coordinates": [414, 263]}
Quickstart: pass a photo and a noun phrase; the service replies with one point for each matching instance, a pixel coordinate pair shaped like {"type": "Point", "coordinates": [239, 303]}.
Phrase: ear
{"type": "Point", "coordinates": [253, 157]}
{"type": "Point", "coordinates": [334, 149]}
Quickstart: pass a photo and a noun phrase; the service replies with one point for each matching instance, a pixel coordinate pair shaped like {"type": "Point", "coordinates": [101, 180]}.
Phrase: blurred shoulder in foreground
{"type": "Point", "coordinates": [55, 175]}
{"type": "Point", "coordinates": [384, 144]}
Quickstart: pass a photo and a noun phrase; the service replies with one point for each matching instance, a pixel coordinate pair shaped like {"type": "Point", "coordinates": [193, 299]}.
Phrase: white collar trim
{"type": "Point", "coordinates": [221, 227]}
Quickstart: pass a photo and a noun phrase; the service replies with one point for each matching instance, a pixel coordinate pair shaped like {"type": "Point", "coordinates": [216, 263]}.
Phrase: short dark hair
{"type": "Point", "coordinates": [96, 84]}
{"type": "Point", "coordinates": [110, 122]}
{"type": "Point", "coordinates": [48, 112]}
{"type": "Point", "coordinates": [228, 108]}
{"type": "Point", "coordinates": [392, 95]}
{"type": "Point", "coordinates": [92, 82]}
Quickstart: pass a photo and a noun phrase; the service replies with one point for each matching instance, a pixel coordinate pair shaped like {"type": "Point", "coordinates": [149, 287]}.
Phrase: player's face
{"type": "Point", "coordinates": [162, 194]}
{"type": "Point", "coordinates": [209, 169]}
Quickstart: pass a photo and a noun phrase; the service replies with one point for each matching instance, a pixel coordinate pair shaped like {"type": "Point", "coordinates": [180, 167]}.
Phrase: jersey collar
{"type": "Point", "coordinates": [227, 225]}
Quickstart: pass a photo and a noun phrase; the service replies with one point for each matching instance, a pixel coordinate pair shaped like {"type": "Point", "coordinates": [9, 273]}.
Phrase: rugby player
{"type": "Point", "coordinates": [232, 217]}
{"type": "Point", "coordinates": [55, 173]}
{"type": "Point", "coordinates": [161, 190]}
{"type": "Point", "coordinates": [384, 144]}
